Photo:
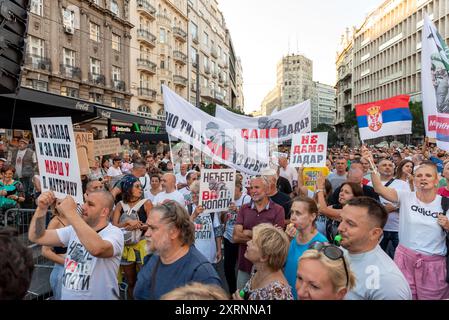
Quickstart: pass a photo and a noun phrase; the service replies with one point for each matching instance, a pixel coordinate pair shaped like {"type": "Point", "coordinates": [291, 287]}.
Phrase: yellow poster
{"type": "Point", "coordinates": [310, 175]}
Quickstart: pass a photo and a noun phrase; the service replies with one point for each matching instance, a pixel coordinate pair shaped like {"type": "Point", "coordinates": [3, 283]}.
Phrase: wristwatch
{"type": "Point", "coordinates": [319, 190]}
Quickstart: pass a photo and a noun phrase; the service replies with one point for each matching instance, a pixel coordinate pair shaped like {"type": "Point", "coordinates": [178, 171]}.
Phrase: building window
{"type": "Point", "coordinates": [37, 7]}
{"type": "Point", "coordinates": [69, 57]}
{"type": "Point", "coordinates": [94, 32]}
{"type": "Point", "coordinates": [116, 73]}
{"type": "Point", "coordinates": [206, 39]}
{"type": "Point", "coordinates": [206, 63]}
{"type": "Point", "coordinates": [95, 66]}
{"type": "Point", "coordinates": [116, 42]}
{"type": "Point", "coordinates": [114, 8]}
{"type": "Point", "coordinates": [70, 92]}
{"type": "Point", "coordinates": [68, 17]}
{"type": "Point", "coordinates": [38, 84]}
{"type": "Point", "coordinates": [35, 47]}
{"type": "Point", "coordinates": [118, 103]}
{"type": "Point", "coordinates": [194, 30]}
{"type": "Point", "coordinates": [193, 53]}
{"type": "Point", "coordinates": [162, 36]}
{"type": "Point", "coordinates": [95, 97]}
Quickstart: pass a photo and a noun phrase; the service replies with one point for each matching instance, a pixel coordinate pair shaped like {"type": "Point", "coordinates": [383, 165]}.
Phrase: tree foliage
{"type": "Point", "coordinates": [418, 120]}
{"type": "Point", "coordinates": [331, 134]}
{"type": "Point", "coordinates": [210, 109]}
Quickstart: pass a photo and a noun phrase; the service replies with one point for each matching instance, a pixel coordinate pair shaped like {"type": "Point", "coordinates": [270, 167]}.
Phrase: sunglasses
{"type": "Point", "coordinates": [332, 252]}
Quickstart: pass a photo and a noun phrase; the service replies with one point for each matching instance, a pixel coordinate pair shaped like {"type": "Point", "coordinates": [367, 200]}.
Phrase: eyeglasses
{"type": "Point", "coordinates": [332, 252]}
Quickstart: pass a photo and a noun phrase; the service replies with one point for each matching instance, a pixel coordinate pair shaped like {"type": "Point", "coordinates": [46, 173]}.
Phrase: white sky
{"type": "Point", "coordinates": [261, 31]}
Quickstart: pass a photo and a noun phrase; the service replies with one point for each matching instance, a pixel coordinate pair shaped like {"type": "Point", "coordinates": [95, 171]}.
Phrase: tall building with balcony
{"type": "Point", "coordinates": [159, 53]}
{"type": "Point", "coordinates": [240, 104]}
{"type": "Point", "coordinates": [208, 39]}
{"type": "Point", "coordinates": [387, 48]}
{"type": "Point", "coordinates": [80, 49]}
{"type": "Point", "coordinates": [235, 77]}
{"type": "Point", "coordinates": [343, 88]}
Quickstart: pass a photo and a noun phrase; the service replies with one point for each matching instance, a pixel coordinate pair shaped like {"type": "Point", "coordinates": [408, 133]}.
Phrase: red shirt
{"type": "Point", "coordinates": [249, 217]}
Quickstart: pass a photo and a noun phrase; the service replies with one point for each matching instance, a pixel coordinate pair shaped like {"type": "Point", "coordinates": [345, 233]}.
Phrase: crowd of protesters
{"type": "Point", "coordinates": [370, 225]}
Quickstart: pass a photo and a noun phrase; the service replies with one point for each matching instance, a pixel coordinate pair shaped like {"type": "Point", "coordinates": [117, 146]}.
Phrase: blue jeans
{"type": "Point", "coordinates": [56, 280]}
{"type": "Point", "coordinates": [390, 236]}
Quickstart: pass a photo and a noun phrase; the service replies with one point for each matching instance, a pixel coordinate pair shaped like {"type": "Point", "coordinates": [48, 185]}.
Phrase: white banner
{"type": "Point", "coordinates": [57, 157]}
{"type": "Point", "coordinates": [214, 137]}
{"type": "Point", "coordinates": [216, 189]}
{"type": "Point", "coordinates": [309, 150]}
{"type": "Point", "coordinates": [290, 121]}
{"type": "Point", "coordinates": [435, 84]}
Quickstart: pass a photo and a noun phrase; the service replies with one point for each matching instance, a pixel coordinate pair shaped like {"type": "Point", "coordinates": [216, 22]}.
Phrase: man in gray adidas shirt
{"type": "Point", "coordinates": [377, 276]}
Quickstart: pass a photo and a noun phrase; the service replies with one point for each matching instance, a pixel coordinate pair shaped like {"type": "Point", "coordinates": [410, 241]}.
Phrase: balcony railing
{"type": "Point", "coordinates": [146, 8]}
{"type": "Point", "coordinates": [164, 19]}
{"type": "Point", "coordinates": [118, 85]}
{"type": "Point", "coordinates": [180, 34]}
{"type": "Point", "coordinates": [181, 80]}
{"type": "Point", "coordinates": [178, 55]}
{"type": "Point", "coordinates": [97, 78]}
{"type": "Point", "coordinates": [70, 71]}
{"type": "Point", "coordinates": [146, 36]}
{"type": "Point", "coordinates": [218, 95]}
{"type": "Point", "coordinates": [146, 94]}
{"type": "Point", "coordinates": [38, 62]}
{"type": "Point", "coordinates": [146, 65]}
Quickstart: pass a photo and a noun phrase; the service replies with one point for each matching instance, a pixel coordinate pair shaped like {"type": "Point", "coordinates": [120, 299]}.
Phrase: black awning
{"type": "Point", "coordinates": [30, 103]}
{"type": "Point", "coordinates": [119, 115]}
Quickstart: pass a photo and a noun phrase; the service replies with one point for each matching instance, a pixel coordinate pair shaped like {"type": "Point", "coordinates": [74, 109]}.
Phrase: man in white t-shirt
{"type": "Point", "coordinates": [391, 229]}
{"type": "Point", "coordinates": [288, 172]}
{"type": "Point", "coordinates": [378, 277]}
{"type": "Point", "coordinates": [94, 245]}
{"type": "Point", "coordinates": [115, 170]}
{"type": "Point", "coordinates": [181, 177]}
{"type": "Point", "coordinates": [168, 182]}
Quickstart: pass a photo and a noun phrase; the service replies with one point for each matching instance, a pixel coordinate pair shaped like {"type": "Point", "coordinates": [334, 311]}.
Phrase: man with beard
{"type": "Point", "coordinates": [94, 245]}
{"type": "Point", "coordinates": [175, 262]}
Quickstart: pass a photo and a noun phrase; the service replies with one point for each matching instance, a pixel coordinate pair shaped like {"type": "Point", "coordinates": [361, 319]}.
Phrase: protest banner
{"type": "Point", "coordinates": [85, 140]}
{"type": "Point", "coordinates": [309, 150]}
{"type": "Point", "coordinates": [107, 146]}
{"type": "Point", "coordinates": [216, 138]}
{"type": "Point", "coordinates": [180, 152]}
{"type": "Point", "coordinates": [280, 126]}
{"type": "Point", "coordinates": [57, 157]}
{"type": "Point", "coordinates": [216, 189]}
{"type": "Point", "coordinates": [196, 156]}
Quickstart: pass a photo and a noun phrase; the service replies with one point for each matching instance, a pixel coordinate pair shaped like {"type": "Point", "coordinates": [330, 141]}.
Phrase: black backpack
{"type": "Point", "coordinates": [445, 206]}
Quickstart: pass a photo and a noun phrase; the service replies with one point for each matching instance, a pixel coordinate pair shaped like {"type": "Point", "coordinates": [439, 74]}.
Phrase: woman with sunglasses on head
{"type": "Point", "coordinates": [131, 214]}
{"type": "Point", "coordinates": [323, 273]}
{"type": "Point", "coordinates": [302, 230]}
{"type": "Point", "coordinates": [267, 251]}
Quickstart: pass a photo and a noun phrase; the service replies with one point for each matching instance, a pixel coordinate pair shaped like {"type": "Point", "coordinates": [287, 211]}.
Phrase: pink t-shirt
{"type": "Point", "coordinates": [443, 192]}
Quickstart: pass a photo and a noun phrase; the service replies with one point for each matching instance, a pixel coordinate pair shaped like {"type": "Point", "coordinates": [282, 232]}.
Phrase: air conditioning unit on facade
{"type": "Point", "coordinates": [69, 29]}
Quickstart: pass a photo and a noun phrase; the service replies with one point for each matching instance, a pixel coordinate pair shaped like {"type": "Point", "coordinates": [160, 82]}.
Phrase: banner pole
{"type": "Point", "coordinates": [171, 156]}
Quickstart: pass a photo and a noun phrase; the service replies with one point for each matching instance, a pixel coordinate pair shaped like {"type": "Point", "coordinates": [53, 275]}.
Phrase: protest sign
{"type": "Point", "coordinates": [85, 140]}
{"type": "Point", "coordinates": [217, 189]}
{"type": "Point", "coordinates": [181, 153]}
{"type": "Point", "coordinates": [309, 150]}
{"type": "Point", "coordinates": [196, 156]}
{"type": "Point", "coordinates": [310, 176]}
{"type": "Point", "coordinates": [281, 125]}
{"type": "Point", "coordinates": [218, 139]}
{"type": "Point", "coordinates": [83, 161]}
{"type": "Point", "coordinates": [107, 146]}
{"type": "Point", "coordinates": [57, 157]}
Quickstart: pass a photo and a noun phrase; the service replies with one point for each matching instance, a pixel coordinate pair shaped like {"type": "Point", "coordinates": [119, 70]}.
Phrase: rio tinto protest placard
{"type": "Point", "coordinates": [216, 189]}
{"type": "Point", "coordinates": [57, 157]}
{"type": "Point", "coordinates": [309, 150]}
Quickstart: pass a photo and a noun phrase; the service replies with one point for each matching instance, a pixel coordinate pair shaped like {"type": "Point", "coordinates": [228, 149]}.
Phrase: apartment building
{"type": "Point", "coordinates": [323, 104]}
{"type": "Point", "coordinates": [158, 53]}
{"type": "Point", "coordinates": [387, 48]}
{"type": "Point", "coordinates": [80, 49]}
{"type": "Point", "coordinates": [271, 101]}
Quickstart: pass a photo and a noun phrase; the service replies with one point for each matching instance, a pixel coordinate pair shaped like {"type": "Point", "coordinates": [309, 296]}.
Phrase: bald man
{"type": "Point", "coordinates": [168, 182]}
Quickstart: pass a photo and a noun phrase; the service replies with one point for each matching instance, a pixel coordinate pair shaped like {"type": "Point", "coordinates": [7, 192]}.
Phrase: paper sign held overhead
{"type": "Point", "coordinates": [107, 146]}
{"type": "Point", "coordinates": [216, 189]}
{"type": "Point", "coordinates": [57, 157]}
{"type": "Point", "coordinates": [309, 150]}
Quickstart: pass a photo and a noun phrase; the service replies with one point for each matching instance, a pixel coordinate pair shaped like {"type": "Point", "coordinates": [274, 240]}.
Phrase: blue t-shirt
{"type": "Point", "coordinates": [193, 267]}
{"type": "Point", "coordinates": [294, 253]}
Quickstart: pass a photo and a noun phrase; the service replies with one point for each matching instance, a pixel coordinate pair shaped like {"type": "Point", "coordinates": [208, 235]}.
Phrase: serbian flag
{"type": "Point", "coordinates": [382, 118]}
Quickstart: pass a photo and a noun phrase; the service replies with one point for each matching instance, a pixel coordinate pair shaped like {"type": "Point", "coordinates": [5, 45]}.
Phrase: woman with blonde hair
{"type": "Point", "coordinates": [267, 251]}
{"type": "Point", "coordinates": [196, 291]}
{"type": "Point", "coordinates": [323, 273]}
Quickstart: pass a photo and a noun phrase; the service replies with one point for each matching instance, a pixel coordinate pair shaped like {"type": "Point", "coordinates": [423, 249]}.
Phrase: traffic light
{"type": "Point", "coordinates": [13, 30]}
